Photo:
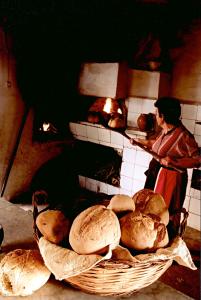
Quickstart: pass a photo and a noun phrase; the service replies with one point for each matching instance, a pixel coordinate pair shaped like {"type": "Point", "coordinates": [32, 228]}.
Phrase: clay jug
{"type": "Point", "coordinates": [145, 122]}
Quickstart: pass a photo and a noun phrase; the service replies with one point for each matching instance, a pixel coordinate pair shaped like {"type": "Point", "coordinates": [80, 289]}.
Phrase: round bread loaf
{"type": "Point", "coordinates": [22, 272]}
{"type": "Point", "coordinates": [138, 231]}
{"type": "Point", "coordinates": [53, 225]}
{"type": "Point", "coordinates": [141, 198]}
{"type": "Point", "coordinates": [93, 229]}
{"type": "Point", "coordinates": [121, 203]}
{"type": "Point", "coordinates": [149, 202]}
{"type": "Point", "coordinates": [116, 123]}
{"type": "Point", "coordinates": [163, 242]}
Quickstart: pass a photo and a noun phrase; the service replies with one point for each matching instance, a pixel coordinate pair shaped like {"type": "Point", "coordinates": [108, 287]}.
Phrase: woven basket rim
{"type": "Point", "coordinates": [109, 273]}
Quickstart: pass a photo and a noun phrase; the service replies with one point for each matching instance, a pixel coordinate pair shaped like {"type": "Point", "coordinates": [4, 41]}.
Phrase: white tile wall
{"type": "Point", "coordinates": [195, 193]}
{"type": "Point", "coordinates": [102, 187]}
{"type": "Point", "coordinates": [194, 221]}
{"type": "Point", "coordinates": [104, 135]}
{"type": "Point", "coordinates": [126, 182]}
{"type": "Point", "coordinates": [127, 169]}
{"type": "Point", "coordinates": [81, 130]}
{"type": "Point", "coordinates": [148, 106]}
{"type": "Point", "coordinates": [198, 139]}
{"type": "Point", "coordinates": [132, 119]}
{"type": "Point", "coordinates": [137, 185]}
{"type": "Point", "coordinates": [135, 105]}
{"type": "Point", "coordinates": [189, 124]}
{"type": "Point", "coordinates": [82, 181]}
{"type": "Point", "coordinates": [92, 132]}
{"type": "Point", "coordinates": [198, 113]}
{"type": "Point", "coordinates": [129, 155]}
{"type": "Point", "coordinates": [189, 111]}
{"type": "Point", "coordinates": [134, 160]}
{"type": "Point", "coordinates": [139, 173]}
{"type": "Point", "coordinates": [126, 192]}
{"type": "Point", "coordinates": [188, 188]}
{"type": "Point", "coordinates": [112, 190]}
{"type": "Point", "coordinates": [197, 129]}
{"type": "Point", "coordinates": [142, 158]}
{"type": "Point", "coordinates": [117, 140]}
{"type": "Point", "coordinates": [186, 203]}
{"type": "Point", "coordinates": [82, 138]}
{"type": "Point", "coordinates": [91, 184]}
{"type": "Point", "coordinates": [194, 206]}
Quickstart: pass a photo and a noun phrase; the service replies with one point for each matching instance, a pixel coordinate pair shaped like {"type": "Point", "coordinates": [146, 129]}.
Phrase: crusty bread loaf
{"type": "Point", "coordinates": [156, 205]}
{"type": "Point", "coordinates": [93, 229]}
{"type": "Point", "coordinates": [22, 272]}
{"type": "Point", "coordinates": [116, 123]}
{"type": "Point", "coordinates": [149, 202]}
{"type": "Point", "coordinates": [142, 232]}
{"type": "Point", "coordinates": [137, 231]}
{"type": "Point", "coordinates": [120, 203]}
{"type": "Point", "coordinates": [53, 225]}
{"type": "Point", "coordinates": [141, 198]}
{"type": "Point", "coordinates": [163, 242]}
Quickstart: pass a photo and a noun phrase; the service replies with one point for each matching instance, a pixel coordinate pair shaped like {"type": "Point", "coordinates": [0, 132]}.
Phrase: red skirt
{"type": "Point", "coordinates": [168, 183]}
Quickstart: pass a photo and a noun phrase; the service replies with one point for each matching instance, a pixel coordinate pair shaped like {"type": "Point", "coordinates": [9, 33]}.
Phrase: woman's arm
{"type": "Point", "coordinates": [184, 162]}
{"type": "Point", "coordinates": [146, 143]}
{"type": "Point", "coordinates": [188, 154]}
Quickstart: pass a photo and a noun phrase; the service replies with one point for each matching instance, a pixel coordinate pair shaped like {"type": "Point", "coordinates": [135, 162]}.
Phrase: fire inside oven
{"type": "Point", "coordinates": [111, 113]}
{"type": "Point", "coordinates": [108, 112]}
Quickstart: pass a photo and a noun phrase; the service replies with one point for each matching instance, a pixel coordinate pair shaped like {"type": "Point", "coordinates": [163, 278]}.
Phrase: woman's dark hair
{"type": "Point", "coordinates": [170, 108]}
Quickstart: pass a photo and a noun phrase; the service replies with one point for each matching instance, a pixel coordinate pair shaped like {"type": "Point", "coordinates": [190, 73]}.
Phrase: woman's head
{"type": "Point", "coordinates": [169, 109]}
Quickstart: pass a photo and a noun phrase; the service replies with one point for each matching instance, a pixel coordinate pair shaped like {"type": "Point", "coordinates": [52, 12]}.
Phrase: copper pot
{"type": "Point", "coordinates": [145, 122]}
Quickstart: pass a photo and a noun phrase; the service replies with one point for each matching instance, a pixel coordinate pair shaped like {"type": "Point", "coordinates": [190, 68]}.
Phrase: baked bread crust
{"type": "Point", "coordinates": [22, 272]}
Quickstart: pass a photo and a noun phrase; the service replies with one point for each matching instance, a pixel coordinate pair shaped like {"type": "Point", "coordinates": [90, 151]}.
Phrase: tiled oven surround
{"type": "Point", "coordinates": [134, 160]}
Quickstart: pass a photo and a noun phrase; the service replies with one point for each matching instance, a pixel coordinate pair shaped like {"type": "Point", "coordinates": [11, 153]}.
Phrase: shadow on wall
{"type": "Point", "coordinates": [58, 177]}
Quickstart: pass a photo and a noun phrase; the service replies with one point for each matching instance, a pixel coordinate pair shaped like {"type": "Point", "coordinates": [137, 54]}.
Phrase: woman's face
{"type": "Point", "coordinates": [159, 119]}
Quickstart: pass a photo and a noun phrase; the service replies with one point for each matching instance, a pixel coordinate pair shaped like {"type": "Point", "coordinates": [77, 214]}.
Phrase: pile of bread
{"type": "Point", "coordinates": [137, 223]}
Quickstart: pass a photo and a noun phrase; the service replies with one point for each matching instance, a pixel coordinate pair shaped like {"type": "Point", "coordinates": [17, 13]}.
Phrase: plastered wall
{"type": "Point", "coordinates": [30, 155]}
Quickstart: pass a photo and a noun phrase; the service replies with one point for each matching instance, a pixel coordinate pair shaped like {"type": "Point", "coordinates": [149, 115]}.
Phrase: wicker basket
{"type": "Point", "coordinates": [117, 277]}
{"type": "Point", "coordinates": [114, 278]}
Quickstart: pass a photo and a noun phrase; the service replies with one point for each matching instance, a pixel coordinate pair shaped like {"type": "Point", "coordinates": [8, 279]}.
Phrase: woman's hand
{"type": "Point", "coordinates": [143, 142]}
{"type": "Point", "coordinates": [182, 163]}
{"type": "Point", "coordinates": [167, 161]}
{"type": "Point", "coordinates": [133, 141]}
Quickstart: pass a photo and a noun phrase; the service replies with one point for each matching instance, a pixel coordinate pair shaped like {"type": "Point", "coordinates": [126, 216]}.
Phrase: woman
{"type": "Point", "coordinates": [177, 148]}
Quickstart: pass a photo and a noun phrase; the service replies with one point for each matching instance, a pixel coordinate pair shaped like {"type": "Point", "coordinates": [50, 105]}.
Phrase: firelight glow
{"type": "Point", "coordinates": [46, 126]}
{"type": "Point", "coordinates": [107, 106]}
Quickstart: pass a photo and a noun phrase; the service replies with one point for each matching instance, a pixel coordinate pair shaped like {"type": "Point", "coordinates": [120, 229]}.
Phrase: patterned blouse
{"type": "Point", "coordinates": [180, 144]}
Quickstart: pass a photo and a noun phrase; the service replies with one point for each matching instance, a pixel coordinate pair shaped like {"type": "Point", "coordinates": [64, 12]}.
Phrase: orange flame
{"type": "Point", "coordinates": [107, 106]}
{"type": "Point", "coordinates": [46, 126]}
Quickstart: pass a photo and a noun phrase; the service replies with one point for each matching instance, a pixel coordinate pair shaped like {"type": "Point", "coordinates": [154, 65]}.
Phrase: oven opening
{"type": "Point", "coordinates": [99, 162]}
{"type": "Point", "coordinates": [108, 112]}
{"type": "Point", "coordinates": [48, 127]}
{"type": "Point", "coordinates": [111, 113]}
{"type": "Point", "coordinates": [100, 110]}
